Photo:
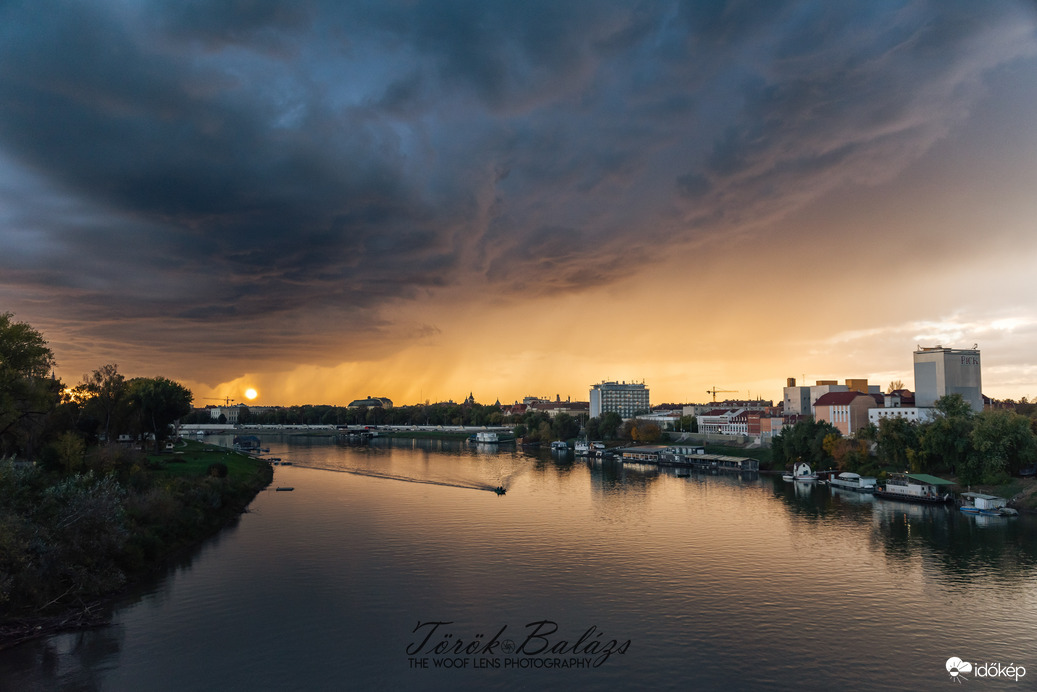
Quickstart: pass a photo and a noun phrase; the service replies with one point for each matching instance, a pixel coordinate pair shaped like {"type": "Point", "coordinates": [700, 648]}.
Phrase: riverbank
{"type": "Point", "coordinates": [70, 543]}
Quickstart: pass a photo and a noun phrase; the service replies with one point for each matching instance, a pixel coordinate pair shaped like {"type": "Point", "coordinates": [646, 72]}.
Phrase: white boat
{"type": "Point", "coordinates": [487, 437]}
{"type": "Point", "coordinates": [915, 487]}
{"type": "Point", "coordinates": [559, 446]}
{"type": "Point", "coordinates": [987, 505]}
{"type": "Point", "coordinates": [853, 481]}
{"type": "Point", "coordinates": [801, 473]}
{"type": "Point", "coordinates": [582, 448]}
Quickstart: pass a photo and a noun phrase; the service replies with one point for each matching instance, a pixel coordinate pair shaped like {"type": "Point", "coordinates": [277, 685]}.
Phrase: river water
{"type": "Point", "coordinates": [585, 576]}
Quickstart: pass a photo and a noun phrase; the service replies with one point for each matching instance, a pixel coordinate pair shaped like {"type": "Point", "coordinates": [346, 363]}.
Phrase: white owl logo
{"type": "Point", "coordinates": [956, 666]}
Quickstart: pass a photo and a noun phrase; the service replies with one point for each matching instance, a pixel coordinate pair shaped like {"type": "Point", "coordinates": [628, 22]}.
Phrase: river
{"type": "Point", "coordinates": [393, 565]}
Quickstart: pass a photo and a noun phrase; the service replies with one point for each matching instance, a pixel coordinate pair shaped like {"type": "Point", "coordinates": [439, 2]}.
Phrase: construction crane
{"type": "Point", "coordinates": [724, 391]}
{"type": "Point", "coordinates": [227, 401]}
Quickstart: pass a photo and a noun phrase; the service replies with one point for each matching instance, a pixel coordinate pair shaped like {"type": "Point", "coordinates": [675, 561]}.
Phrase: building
{"type": "Point", "coordinates": [555, 408]}
{"type": "Point", "coordinates": [765, 405]}
{"type": "Point", "coordinates": [667, 420]}
{"type": "Point", "coordinates": [229, 413]}
{"type": "Point", "coordinates": [724, 422]}
{"type": "Point", "coordinates": [940, 371]}
{"type": "Point", "coordinates": [371, 402]}
{"type": "Point", "coordinates": [799, 401]}
{"type": "Point", "coordinates": [900, 404]}
{"type": "Point", "coordinates": [624, 398]}
{"type": "Point", "coordinates": [847, 411]}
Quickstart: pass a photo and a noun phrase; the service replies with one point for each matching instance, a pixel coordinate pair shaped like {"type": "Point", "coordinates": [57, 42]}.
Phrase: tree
{"type": "Point", "coordinates": [107, 389]}
{"type": "Point", "coordinates": [804, 441]}
{"type": "Point", "coordinates": [849, 454]}
{"type": "Point", "coordinates": [156, 403]}
{"type": "Point", "coordinates": [647, 432]}
{"type": "Point", "coordinates": [895, 437]}
{"type": "Point", "coordinates": [27, 394]}
{"type": "Point", "coordinates": [953, 406]}
{"type": "Point", "coordinates": [608, 425]}
{"type": "Point", "coordinates": [947, 439]}
{"type": "Point", "coordinates": [70, 450]}
{"type": "Point", "coordinates": [564, 426]}
{"type": "Point", "coordinates": [894, 386]}
{"type": "Point", "coordinates": [1003, 442]}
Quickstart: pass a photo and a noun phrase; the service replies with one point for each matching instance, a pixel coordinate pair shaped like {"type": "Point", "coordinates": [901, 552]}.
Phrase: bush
{"type": "Point", "coordinates": [218, 470]}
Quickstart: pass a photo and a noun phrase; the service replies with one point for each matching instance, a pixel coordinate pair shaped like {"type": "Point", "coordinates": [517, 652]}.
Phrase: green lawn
{"type": "Point", "coordinates": [195, 458]}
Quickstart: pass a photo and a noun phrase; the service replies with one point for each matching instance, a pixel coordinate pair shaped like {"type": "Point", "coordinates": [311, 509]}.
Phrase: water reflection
{"type": "Point", "coordinates": [320, 588]}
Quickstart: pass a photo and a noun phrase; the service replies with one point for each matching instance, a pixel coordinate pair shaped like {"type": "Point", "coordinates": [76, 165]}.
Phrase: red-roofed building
{"type": "Point", "coordinates": [848, 411]}
{"type": "Point", "coordinates": [514, 409]}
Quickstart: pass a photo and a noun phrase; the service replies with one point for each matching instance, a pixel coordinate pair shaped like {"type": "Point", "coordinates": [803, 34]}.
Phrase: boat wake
{"type": "Point", "coordinates": [468, 485]}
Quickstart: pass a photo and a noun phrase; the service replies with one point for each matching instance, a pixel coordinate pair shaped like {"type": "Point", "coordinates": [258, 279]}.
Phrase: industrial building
{"type": "Point", "coordinates": [940, 371]}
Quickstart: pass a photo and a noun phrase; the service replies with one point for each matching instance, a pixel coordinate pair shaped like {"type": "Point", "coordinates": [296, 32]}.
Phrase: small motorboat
{"type": "Point", "coordinates": [285, 489]}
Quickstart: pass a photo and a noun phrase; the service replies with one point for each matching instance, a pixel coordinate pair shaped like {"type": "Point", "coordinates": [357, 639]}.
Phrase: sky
{"type": "Point", "coordinates": [424, 199]}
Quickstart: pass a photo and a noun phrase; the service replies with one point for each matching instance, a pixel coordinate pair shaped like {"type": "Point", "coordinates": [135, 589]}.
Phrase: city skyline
{"type": "Point", "coordinates": [422, 200]}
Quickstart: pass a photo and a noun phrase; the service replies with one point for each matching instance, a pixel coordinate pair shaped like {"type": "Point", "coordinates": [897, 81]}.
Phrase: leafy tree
{"type": "Point", "coordinates": [27, 394]}
{"type": "Point", "coordinates": [847, 453]}
{"type": "Point", "coordinates": [609, 424]}
{"type": "Point", "coordinates": [868, 432]}
{"type": "Point", "coordinates": [106, 388]}
{"type": "Point", "coordinates": [70, 450]}
{"type": "Point", "coordinates": [895, 437]}
{"type": "Point", "coordinates": [647, 432]}
{"type": "Point", "coordinates": [803, 441]}
{"type": "Point", "coordinates": [953, 406]}
{"type": "Point", "coordinates": [946, 441]}
{"type": "Point", "coordinates": [156, 403]}
{"type": "Point", "coordinates": [1003, 442]}
{"type": "Point", "coordinates": [564, 426]}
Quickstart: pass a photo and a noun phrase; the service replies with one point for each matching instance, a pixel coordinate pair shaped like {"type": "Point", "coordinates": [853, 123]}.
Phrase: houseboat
{"type": "Point", "coordinates": [487, 437]}
{"type": "Point", "coordinates": [988, 505]}
{"type": "Point", "coordinates": [559, 446]}
{"type": "Point", "coordinates": [586, 448]}
{"type": "Point", "coordinates": [853, 481]}
{"type": "Point", "coordinates": [801, 472]}
{"type": "Point", "coordinates": [915, 487]}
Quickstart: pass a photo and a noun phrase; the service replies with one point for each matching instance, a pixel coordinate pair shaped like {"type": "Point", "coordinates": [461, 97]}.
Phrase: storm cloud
{"type": "Point", "coordinates": [277, 176]}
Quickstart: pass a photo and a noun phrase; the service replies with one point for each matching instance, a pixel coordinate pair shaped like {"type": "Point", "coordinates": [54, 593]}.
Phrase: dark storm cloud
{"type": "Point", "coordinates": [237, 164]}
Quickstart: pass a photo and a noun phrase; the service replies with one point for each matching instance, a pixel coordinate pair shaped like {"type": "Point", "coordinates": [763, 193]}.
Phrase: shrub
{"type": "Point", "coordinates": [218, 470]}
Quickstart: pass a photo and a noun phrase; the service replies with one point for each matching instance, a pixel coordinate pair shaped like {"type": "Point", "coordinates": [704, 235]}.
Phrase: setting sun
{"type": "Point", "coordinates": [251, 394]}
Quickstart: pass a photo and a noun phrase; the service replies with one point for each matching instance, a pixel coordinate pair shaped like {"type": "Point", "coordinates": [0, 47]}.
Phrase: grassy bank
{"type": "Point", "coordinates": [71, 538]}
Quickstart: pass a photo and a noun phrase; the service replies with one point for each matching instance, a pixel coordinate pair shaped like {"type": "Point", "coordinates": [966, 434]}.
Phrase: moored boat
{"type": "Point", "coordinates": [559, 446]}
{"type": "Point", "coordinates": [915, 487]}
{"type": "Point", "coordinates": [853, 481]}
{"type": "Point", "coordinates": [801, 473]}
{"type": "Point", "coordinates": [987, 505]}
